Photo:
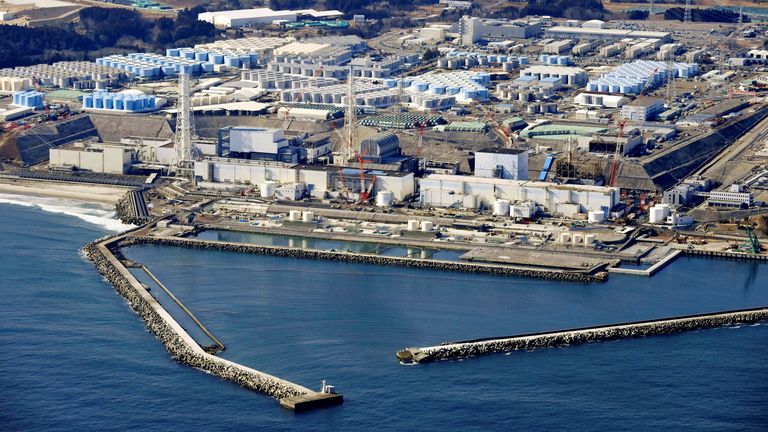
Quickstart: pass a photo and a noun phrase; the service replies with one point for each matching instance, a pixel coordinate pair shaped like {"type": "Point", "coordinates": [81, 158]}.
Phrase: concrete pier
{"type": "Point", "coordinates": [650, 271]}
{"type": "Point", "coordinates": [497, 269]}
{"type": "Point", "coordinates": [471, 348]}
{"type": "Point", "coordinates": [182, 346]}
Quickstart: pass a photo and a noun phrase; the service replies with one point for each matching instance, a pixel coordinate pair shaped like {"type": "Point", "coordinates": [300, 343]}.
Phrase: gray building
{"type": "Point", "coordinates": [502, 163]}
{"type": "Point", "coordinates": [473, 29]}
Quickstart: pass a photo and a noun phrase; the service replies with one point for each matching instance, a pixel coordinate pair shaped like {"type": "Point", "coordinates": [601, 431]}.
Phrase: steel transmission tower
{"type": "Point", "coordinates": [687, 15]}
{"type": "Point", "coordinates": [184, 163]}
{"type": "Point", "coordinates": [650, 11]}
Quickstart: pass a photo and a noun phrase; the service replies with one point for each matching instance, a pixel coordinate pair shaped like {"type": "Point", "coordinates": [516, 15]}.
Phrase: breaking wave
{"type": "Point", "coordinates": [96, 214]}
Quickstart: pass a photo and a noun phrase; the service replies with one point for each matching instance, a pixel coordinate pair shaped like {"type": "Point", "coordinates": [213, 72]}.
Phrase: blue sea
{"type": "Point", "coordinates": [77, 358]}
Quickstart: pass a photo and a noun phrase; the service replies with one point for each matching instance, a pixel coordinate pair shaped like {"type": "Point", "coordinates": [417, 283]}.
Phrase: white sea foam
{"type": "Point", "coordinates": [96, 214]}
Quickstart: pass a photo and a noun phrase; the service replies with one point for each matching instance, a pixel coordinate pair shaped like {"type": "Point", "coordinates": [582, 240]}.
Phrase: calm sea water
{"type": "Point", "coordinates": [76, 358]}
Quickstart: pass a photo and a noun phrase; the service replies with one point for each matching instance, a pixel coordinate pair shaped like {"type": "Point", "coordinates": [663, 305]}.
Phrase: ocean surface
{"type": "Point", "coordinates": [76, 357]}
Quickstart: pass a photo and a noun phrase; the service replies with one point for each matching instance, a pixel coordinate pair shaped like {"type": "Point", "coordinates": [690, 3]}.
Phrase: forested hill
{"type": "Point", "coordinates": [100, 31]}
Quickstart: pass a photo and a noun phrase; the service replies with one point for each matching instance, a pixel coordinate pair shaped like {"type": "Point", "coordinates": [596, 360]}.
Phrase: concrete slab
{"type": "Point", "coordinates": [531, 258]}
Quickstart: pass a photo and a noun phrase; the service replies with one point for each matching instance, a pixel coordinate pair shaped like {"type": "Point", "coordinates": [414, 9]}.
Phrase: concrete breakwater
{"type": "Point", "coordinates": [470, 348]}
{"type": "Point", "coordinates": [570, 276]}
{"type": "Point", "coordinates": [132, 208]}
{"type": "Point", "coordinates": [182, 346]}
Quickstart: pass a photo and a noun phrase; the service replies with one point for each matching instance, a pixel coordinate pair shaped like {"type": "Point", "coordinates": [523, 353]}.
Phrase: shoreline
{"type": "Point", "coordinates": [90, 193]}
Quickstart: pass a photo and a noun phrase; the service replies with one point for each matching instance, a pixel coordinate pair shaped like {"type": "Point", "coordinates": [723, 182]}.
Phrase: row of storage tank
{"type": "Point", "coordinates": [14, 84]}
{"type": "Point", "coordinates": [29, 99]}
{"type": "Point", "coordinates": [631, 78]}
{"type": "Point", "coordinates": [508, 65]}
{"type": "Point", "coordinates": [576, 239]}
{"type": "Point", "coordinates": [119, 102]}
{"type": "Point", "coordinates": [230, 59]}
{"type": "Point", "coordinates": [550, 59]}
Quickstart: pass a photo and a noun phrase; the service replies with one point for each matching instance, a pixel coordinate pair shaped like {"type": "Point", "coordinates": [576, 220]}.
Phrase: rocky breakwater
{"type": "Point", "coordinates": [570, 276]}
{"type": "Point", "coordinates": [471, 348]}
{"type": "Point", "coordinates": [181, 346]}
{"type": "Point", "coordinates": [125, 209]}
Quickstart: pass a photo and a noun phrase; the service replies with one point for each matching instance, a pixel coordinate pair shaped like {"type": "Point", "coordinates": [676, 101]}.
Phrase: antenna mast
{"type": "Point", "coordinates": [184, 164]}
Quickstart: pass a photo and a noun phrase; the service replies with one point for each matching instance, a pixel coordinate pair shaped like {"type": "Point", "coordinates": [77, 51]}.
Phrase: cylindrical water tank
{"type": "Point", "coordinates": [596, 216]}
{"type": "Point", "coordinates": [267, 189]}
{"type": "Point", "coordinates": [413, 225]}
{"type": "Point", "coordinates": [427, 226]}
{"type": "Point", "coordinates": [308, 216]}
{"type": "Point", "coordinates": [501, 208]}
{"type": "Point", "coordinates": [565, 237]}
{"type": "Point", "coordinates": [294, 215]}
{"type": "Point", "coordinates": [578, 238]}
{"type": "Point", "coordinates": [384, 198]}
{"type": "Point", "coordinates": [589, 239]}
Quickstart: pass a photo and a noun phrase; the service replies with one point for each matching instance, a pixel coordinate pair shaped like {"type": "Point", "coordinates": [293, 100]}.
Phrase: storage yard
{"type": "Point", "coordinates": [578, 127]}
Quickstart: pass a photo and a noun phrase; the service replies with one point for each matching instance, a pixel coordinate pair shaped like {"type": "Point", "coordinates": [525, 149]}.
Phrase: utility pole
{"type": "Point", "coordinates": [184, 164]}
{"type": "Point", "coordinates": [687, 15]}
{"type": "Point", "coordinates": [650, 11]}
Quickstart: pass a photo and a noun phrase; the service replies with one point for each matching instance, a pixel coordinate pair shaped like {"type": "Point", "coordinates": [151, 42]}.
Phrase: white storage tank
{"type": "Point", "coordinates": [413, 225]}
{"type": "Point", "coordinates": [308, 216]}
{"type": "Point", "coordinates": [501, 208]}
{"type": "Point", "coordinates": [658, 214]}
{"type": "Point", "coordinates": [294, 215]}
{"type": "Point", "coordinates": [427, 226]}
{"type": "Point", "coordinates": [589, 239]}
{"type": "Point", "coordinates": [384, 198]}
{"type": "Point", "coordinates": [267, 189]}
{"type": "Point", "coordinates": [565, 237]}
{"type": "Point", "coordinates": [596, 216]}
{"type": "Point", "coordinates": [578, 238]}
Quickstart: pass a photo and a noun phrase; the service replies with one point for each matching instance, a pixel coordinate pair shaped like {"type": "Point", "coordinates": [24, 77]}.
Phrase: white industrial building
{"type": "Point", "coordinates": [642, 109]}
{"type": "Point", "coordinates": [319, 181]}
{"type": "Point", "coordinates": [586, 33]}
{"type": "Point", "coordinates": [473, 29]}
{"type": "Point", "coordinates": [260, 16]}
{"type": "Point", "coordinates": [442, 190]}
{"type": "Point", "coordinates": [502, 163]}
{"type": "Point", "coordinates": [600, 100]}
{"type": "Point", "coordinates": [256, 140]}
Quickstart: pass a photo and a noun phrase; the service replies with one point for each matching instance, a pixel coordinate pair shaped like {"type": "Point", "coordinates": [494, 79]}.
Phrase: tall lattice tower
{"type": "Point", "coordinates": [741, 15]}
{"type": "Point", "coordinates": [184, 163]}
{"type": "Point", "coordinates": [650, 10]}
{"type": "Point", "coordinates": [350, 120]}
{"type": "Point", "coordinates": [687, 15]}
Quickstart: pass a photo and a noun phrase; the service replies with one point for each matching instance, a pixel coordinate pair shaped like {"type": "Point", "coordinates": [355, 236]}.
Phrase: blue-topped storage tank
{"type": "Point", "coordinates": [207, 67]}
{"type": "Point", "coordinates": [119, 102]}
{"type": "Point", "coordinates": [172, 52]}
{"type": "Point", "coordinates": [218, 58]}
{"type": "Point", "coordinates": [231, 61]}
{"type": "Point", "coordinates": [201, 56]}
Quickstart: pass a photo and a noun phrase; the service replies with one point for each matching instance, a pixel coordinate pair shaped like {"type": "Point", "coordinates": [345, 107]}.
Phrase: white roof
{"type": "Point", "coordinates": [525, 183]}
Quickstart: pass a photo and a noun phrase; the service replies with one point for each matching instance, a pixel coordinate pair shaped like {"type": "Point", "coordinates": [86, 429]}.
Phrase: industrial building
{"type": "Point", "coordinates": [503, 163]}
{"type": "Point", "coordinates": [318, 181]}
{"type": "Point", "coordinates": [473, 29]}
{"type": "Point", "coordinates": [95, 157]}
{"type": "Point", "coordinates": [262, 16]}
{"type": "Point", "coordinates": [441, 190]}
{"type": "Point", "coordinates": [642, 109]}
{"type": "Point", "coordinates": [632, 78]}
{"type": "Point", "coordinates": [582, 33]}
{"type": "Point", "coordinates": [600, 100]}
{"type": "Point", "coordinates": [738, 199]}
{"type": "Point", "coordinates": [259, 144]}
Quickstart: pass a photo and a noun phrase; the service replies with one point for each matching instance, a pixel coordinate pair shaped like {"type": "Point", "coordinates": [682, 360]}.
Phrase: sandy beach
{"type": "Point", "coordinates": [102, 194]}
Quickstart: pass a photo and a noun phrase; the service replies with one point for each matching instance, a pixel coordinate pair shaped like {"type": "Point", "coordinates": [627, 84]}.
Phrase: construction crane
{"type": "Point", "coordinates": [618, 155]}
{"type": "Point", "coordinates": [752, 245]}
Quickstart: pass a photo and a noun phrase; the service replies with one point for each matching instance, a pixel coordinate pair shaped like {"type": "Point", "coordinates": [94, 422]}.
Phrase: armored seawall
{"type": "Point", "coordinates": [570, 276]}
{"type": "Point", "coordinates": [471, 348]}
{"type": "Point", "coordinates": [182, 346]}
